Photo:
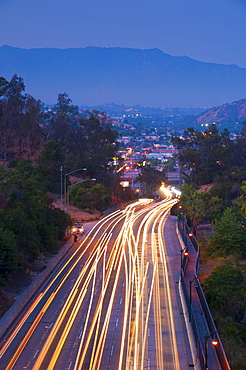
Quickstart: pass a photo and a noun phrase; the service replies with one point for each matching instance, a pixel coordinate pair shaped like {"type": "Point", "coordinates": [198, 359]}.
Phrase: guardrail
{"type": "Point", "coordinates": [184, 230]}
{"type": "Point", "coordinates": [197, 339]}
{"type": "Point", "coordinates": [212, 328]}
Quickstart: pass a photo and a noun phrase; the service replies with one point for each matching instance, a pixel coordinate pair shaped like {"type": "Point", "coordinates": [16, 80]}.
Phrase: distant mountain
{"type": "Point", "coordinates": [94, 75]}
{"type": "Point", "coordinates": [228, 116]}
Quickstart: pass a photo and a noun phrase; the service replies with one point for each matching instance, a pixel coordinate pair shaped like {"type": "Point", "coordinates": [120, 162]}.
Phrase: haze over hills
{"type": "Point", "coordinates": [94, 75]}
{"type": "Point", "coordinates": [228, 116]}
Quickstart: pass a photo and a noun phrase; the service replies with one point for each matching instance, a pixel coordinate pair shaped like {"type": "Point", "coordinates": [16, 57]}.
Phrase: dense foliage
{"type": "Point", "coordinates": [229, 234]}
{"type": "Point", "coordinates": [74, 139]}
{"type": "Point", "coordinates": [90, 195]}
{"type": "Point", "coordinates": [20, 119]}
{"type": "Point", "coordinates": [230, 297]}
{"type": "Point", "coordinates": [85, 141]}
{"type": "Point", "coordinates": [206, 156]}
{"type": "Point", "coordinates": [193, 204]}
{"type": "Point", "coordinates": [152, 178]}
{"type": "Point", "coordinates": [226, 294]}
{"type": "Point", "coordinates": [39, 148]}
{"type": "Point", "coordinates": [29, 225]}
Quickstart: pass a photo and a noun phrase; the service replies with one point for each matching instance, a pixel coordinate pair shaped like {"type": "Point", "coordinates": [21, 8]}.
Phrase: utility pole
{"type": "Point", "coordinates": [61, 186]}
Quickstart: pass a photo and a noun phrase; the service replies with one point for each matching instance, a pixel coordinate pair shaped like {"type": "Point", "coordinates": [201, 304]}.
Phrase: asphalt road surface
{"type": "Point", "coordinates": [107, 305]}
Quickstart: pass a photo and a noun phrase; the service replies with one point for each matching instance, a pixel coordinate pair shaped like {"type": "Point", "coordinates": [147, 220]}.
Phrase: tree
{"type": "Point", "coordinates": [152, 178]}
{"type": "Point", "coordinates": [49, 165]}
{"type": "Point", "coordinates": [62, 125]}
{"type": "Point", "coordinates": [229, 234]}
{"type": "Point", "coordinates": [98, 144]}
{"type": "Point", "coordinates": [170, 164]}
{"type": "Point", "coordinates": [193, 204]}
{"type": "Point", "coordinates": [31, 134]}
{"type": "Point", "coordinates": [26, 169]}
{"type": "Point", "coordinates": [8, 253]}
{"type": "Point", "coordinates": [11, 112]}
{"type": "Point", "coordinates": [3, 86]}
{"type": "Point", "coordinates": [242, 199]}
{"type": "Point", "coordinates": [20, 121]}
{"type": "Point", "coordinates": [86, 140]}
{"type": "Point", "coordinates": [27, 214]}
{"type": "Point", "coordinates": [89, 195]}
{"type": "Point", "coordinates": [240, 148]}
{"type": "Point", "coordinates": [204, 156]}
{"type": "Point", "coordinates": [99, 137]}
{"type": "Point", "coordinates": [228, 298]}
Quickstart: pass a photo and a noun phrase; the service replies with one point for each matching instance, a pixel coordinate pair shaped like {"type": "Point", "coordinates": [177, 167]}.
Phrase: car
{"type": "Point", "coordinates": [78, 229]}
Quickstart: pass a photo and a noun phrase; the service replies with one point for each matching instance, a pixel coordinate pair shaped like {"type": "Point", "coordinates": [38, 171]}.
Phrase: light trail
{"type": "Point", "coordinates": [33, 305]}
{"type": "Point", "coordinates": [19, 325]}
{"type": "Point", "coordinates": [84, 346]}
{"type": "Point", "coordinates": [20, 348]}
{"type": "Point", "coordinates": [72, 317]}
{"type": "Point", "coordinates": [66, 307]}
{"type": "Point", "coordinates": [126, 262]}
{"type": "Point", "coordinates": [165, 273]}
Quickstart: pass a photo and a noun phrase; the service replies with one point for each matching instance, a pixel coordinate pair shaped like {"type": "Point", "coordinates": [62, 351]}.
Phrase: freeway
{"type": "Point", "coordinates": [107, 305]}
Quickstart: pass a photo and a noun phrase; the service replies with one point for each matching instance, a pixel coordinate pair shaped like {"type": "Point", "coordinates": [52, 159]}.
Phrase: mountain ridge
{"type": "Point", "coordinates": [149, 77]}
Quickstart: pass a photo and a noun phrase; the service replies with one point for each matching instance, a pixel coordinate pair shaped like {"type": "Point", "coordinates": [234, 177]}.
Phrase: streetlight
{"type": "Point", "coordinates": [61, 186]}
{"type": "Point", "coordinates": [191, 281]}
{"type": "Point", "coordinates": [179, 211]}
{"type": "Point", "coordinates": [214, 343]}
{"type": "Point", "coordinates": [184, 219]}
{"type": "Point", "coordinates": [185, 254]}
{"type": "Point", "coordinates": [65, 183]}
{"type": "Point", "coordinates": [186, 239]}
{"type": "Point", "coordinates": [137, 193]}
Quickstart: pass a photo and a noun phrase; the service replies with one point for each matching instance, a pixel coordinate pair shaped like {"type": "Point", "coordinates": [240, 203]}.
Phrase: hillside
{"type": "Point", "coordinates": [95, 75]}
{"type": "Point", "coordinates": [227, 115]}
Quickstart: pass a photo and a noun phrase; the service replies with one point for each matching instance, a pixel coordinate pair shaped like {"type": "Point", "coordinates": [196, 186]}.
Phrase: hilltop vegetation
{"type": "Point", "coordinates": [29, 225]}
{"type": "Point", "coordinates": [209, 156]}
{"type": "Point", "coordinates": [226, 115]}
{"type": "Point", "coordinates": [37, 151]}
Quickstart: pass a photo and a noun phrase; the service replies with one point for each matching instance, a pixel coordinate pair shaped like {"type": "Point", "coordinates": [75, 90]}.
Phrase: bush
{"type": "Point", "coordinates": [229, 236]}
{"type": "Point", "coordinates": [225, 291]}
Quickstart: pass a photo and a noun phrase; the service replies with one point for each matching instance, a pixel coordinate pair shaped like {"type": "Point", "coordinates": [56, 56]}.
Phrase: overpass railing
{"type": "Point", "coordinates": [184, 230]}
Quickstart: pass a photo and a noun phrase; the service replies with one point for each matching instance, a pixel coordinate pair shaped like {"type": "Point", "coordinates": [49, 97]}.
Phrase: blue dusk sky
{"type": "Point", "coordinates": [205, 30]}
